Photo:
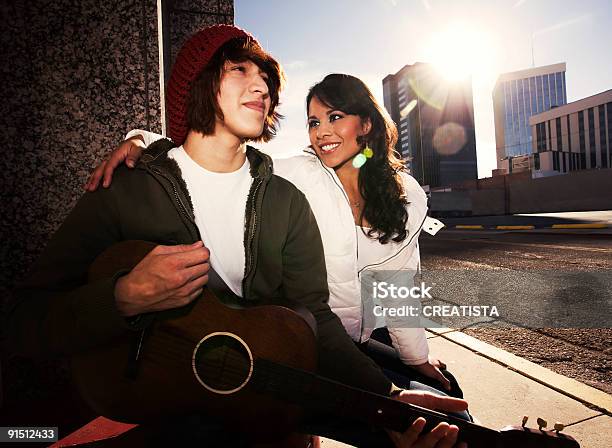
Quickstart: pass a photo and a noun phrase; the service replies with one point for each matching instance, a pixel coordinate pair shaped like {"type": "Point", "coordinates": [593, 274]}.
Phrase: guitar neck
{"type": "Point", "coordinates": [330, 397]}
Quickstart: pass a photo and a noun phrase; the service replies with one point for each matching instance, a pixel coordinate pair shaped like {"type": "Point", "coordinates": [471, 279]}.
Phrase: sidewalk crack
{"type": "Point", "coordinates": [584, 420]}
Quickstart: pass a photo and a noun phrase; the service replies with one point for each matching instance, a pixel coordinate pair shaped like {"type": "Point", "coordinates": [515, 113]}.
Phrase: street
{"type": "Point", "coordinates": [560, 278]}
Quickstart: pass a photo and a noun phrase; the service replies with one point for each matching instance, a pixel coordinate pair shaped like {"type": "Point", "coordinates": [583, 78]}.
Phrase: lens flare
{"type": "Point", "coordinates": [449, 138]}
{"type": "Point", "coordinates": [462, 50]}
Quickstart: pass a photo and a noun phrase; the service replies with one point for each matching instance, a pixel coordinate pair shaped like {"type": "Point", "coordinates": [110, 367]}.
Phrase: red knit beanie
{"type": "Point", "coordinates": [191, 60]}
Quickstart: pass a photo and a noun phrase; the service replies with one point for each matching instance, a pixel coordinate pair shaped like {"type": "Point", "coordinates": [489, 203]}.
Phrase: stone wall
{"type": "Point", "coordinates": [75, 76]}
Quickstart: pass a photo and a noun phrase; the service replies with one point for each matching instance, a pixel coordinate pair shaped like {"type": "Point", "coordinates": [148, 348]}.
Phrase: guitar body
{"type": "Point", "coordinates": [199, 360]}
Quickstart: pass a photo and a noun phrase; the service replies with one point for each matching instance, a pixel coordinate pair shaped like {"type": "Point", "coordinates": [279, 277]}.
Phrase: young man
{"type": "Point", "coordinates": [205, 186]}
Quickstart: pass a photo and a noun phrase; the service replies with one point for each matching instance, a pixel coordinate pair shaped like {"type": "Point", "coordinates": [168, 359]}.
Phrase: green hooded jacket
{"type": "Point", "coordinates": [56, 312]}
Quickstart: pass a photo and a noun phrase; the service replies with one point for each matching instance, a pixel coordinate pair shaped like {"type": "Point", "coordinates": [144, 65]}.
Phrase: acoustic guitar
{"type": "Point", "coordinates": [254, 366]}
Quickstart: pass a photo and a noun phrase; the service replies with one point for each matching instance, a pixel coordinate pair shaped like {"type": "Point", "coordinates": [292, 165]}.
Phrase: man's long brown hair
{"type": "Point", "coordinates": [202, 105]}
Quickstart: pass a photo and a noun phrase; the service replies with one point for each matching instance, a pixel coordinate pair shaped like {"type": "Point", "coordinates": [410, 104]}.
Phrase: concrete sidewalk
{"type": "Point", "coordinates": [501, 388]}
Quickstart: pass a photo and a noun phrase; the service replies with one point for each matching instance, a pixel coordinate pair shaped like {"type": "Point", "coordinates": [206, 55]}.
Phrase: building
{"type": "Point", "coordinates": [435, 120]}
{"type": "Point", "coordinates": [576, 136]}
{"type": "Point", "coordinates": [516, 97]}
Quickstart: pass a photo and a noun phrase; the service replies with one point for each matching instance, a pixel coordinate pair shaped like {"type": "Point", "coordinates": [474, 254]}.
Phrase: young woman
{"type": "Point", "coordinates": [369, 211]}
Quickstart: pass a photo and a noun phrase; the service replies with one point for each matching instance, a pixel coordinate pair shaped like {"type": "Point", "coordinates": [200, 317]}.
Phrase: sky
{"type": "Point", "coordinates": [373, 38]}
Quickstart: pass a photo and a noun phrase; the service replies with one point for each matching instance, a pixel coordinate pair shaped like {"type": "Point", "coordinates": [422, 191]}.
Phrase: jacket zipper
{"type": "Point", "coordinates": [400, 250]}
{"type": "Point", "coordinates": [178, 199]}
{"type": "Point", "coordinates": [356, 240]}
{"type": "Point", "coordinates": [347, 201]}
{"type": "Point", "coordinates": [251, 222]}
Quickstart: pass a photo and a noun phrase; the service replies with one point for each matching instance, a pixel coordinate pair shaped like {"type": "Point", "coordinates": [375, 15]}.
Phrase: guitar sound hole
{"type": "Point", "coordinates": [222, 363]}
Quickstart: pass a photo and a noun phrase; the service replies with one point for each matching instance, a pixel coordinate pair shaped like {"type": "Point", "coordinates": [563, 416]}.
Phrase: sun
{"type": "Point", "coordinates": [461, 50]}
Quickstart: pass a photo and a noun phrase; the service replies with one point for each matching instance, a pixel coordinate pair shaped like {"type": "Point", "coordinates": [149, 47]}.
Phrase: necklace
{"type": "Point", "coordinates": [356, 204]}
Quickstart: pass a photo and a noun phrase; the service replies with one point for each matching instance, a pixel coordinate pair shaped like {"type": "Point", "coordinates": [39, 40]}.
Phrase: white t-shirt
{"type": "Point", "coordinates": [219, 203]}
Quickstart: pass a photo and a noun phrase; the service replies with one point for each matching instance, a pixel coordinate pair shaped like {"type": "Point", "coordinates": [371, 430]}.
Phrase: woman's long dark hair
{"type": "Point", "coordinates": [380, 182]}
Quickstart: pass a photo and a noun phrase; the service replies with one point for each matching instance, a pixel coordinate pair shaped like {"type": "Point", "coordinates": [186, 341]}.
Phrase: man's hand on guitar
{"type": "Point", "coordinates": [442, 436]}
{"type": "Point", "coordinates": [168, 277]}
{"type": "Point", "coordinates": [129, 151]}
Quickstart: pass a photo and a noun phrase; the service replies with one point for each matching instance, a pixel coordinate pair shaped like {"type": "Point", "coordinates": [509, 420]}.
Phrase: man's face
{"type": "Point", "coordinates": [243, 99]}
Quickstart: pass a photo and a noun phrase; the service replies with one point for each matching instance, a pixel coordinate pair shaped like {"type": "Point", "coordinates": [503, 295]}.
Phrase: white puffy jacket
{"type": "Point", "coordinates": [331, 208]}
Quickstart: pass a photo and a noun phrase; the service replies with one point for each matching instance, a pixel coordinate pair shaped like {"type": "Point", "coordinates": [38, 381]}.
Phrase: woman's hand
{"type": "Point", "coordinates": [129, 151]}
{"type": "Point", "coordinates": [431, 369]}
{"type": "Point", "coordinates": [442, 436]}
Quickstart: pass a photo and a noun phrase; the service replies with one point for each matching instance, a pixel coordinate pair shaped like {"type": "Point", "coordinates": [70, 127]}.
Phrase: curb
{"type": "Point", "coordinates": [601, 225]}
{"type": "Point", "coordinates": [533, 227]}
{"type": "Point", "coordinates": [562, 384]}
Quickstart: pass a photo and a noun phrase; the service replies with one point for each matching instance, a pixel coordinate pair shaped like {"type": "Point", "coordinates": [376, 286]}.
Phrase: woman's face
{"type": "Point", "coordinates": [333, 133]}
{"type": "Point", "coordinates": [244, 99]}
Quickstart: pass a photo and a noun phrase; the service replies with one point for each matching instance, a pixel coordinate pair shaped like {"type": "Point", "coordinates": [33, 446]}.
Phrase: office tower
{"type": "Point", "coordinates": [435, 120]}
{"type": "Point", "coordinates": [516, 97]}
{"type": "Point", "coordinates": [576, 136]}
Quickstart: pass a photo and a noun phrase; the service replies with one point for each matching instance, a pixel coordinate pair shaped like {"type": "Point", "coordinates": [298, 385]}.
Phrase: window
{"type": "Point", "coordinates": [581, 131]}
{"type": "Point", "coordinates": [559, 140]}
{"type": "Point", "coordinates": [609, 114]}
{"type": "Point", "coordinates": [540, 93]}
{"type": "Point", "coordinates": [507, 106]}
{"type": "Point", "coordinates": [539, 137]}
{"type": "Point", "coordinates": [515, 114]}
{"type": "Point", "coordinates": [560, 90]}
{"type": "Point", "coordinates": [555, 156]}
{"type": "Point", "coordinates": [536, 161]}
{"type": "Point", "coordinates": [553, 90]}
{"type": "Point", "coordinates": [564, 88]}
{"type": "Point", "coordinates": [576, 160]}
{"type": "Point", "coordinates": [508, 110]}
{"type": "Point", "coordinates": [546, 88]}
{"type": "Point", "coordinates": [603, 145]}
{"type": "Point", "coordinates": [533, 96]}
{"type": "Point", "coordinates": [569, 135]}
{"type": "Point", "coordinates": [549, 146]}
{"type": "Point", "coordinates": [521, 103]}
{"type": "Point", "coordinates": [592, 138]}
{"type": "Point", "coordinates": [564, 157]}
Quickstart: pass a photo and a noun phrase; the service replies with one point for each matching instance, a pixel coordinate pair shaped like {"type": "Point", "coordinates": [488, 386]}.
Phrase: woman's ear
{"type": "Point", "coordinates": [366, 126]}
